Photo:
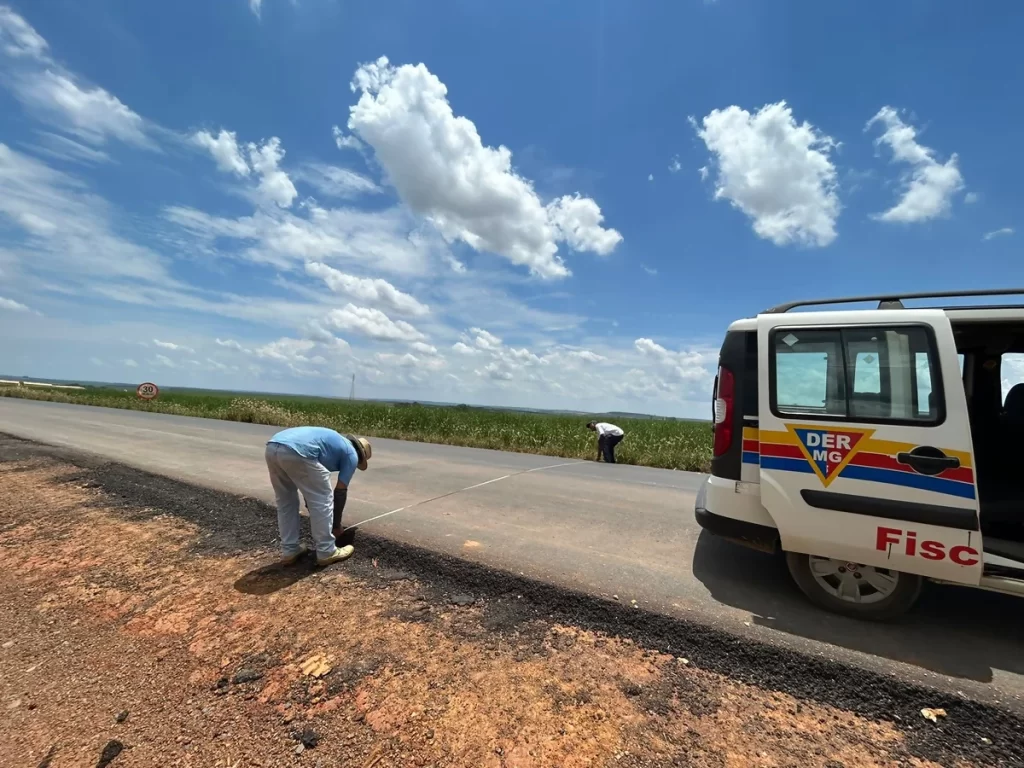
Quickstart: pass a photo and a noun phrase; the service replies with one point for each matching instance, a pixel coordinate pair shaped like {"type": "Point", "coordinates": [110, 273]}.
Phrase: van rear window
{"type": "Point", "coordinates": [868, 373]}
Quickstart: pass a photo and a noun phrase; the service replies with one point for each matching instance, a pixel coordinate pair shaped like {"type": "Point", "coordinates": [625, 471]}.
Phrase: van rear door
{"type": "Point", "coordinates": [865, 443]}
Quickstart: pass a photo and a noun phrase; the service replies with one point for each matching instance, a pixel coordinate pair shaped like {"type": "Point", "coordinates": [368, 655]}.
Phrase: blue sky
{"type": "Point", "coordinates": [558, 205]}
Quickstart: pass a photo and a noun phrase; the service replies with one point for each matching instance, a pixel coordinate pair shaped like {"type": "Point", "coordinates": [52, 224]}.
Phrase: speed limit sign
{"type": "Point", "coordinates": [148, 391]}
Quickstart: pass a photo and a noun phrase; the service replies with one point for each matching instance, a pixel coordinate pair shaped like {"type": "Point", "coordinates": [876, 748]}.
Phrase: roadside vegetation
{"type": "Point", "coordinates": [665, 443]}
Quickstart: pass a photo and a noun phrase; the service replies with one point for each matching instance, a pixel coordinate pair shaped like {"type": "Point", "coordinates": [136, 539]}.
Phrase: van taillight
{"type": "Point", "coordinates": [725, 404]}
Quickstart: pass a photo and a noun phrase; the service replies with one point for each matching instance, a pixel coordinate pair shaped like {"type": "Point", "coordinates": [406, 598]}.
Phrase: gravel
{"type": "Point", "coordinates": [246, 676]}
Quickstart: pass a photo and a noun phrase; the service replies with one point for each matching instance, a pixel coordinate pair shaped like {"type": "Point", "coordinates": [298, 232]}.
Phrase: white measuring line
{"type": "Point", "coordinates": [461, 490]}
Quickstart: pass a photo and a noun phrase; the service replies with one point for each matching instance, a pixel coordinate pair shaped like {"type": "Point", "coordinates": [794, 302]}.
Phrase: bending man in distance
{"type": "Point", "coordinates": [608, 436]}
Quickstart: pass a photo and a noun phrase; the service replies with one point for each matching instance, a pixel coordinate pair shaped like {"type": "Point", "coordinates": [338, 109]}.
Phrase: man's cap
{"type": "Point", "coordinates": [363, 449]}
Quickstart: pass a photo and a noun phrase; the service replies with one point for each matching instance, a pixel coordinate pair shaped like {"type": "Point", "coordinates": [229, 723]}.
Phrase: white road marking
{"type": "Point", "coordinates": [461, 490]}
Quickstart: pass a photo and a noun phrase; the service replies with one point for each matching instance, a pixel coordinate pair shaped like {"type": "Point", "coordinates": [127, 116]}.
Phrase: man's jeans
{"type": "Point", "coordinates": [607, 445]}
{"type": "Point", "coordinates": [289, 474]}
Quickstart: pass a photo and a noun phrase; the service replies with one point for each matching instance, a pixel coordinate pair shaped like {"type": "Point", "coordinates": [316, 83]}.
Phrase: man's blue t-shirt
{"type": "Point", "coordinates": [332, 450]}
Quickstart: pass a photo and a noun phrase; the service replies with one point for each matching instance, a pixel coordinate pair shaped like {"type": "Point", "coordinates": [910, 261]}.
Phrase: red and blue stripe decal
{"type": "Point", "coordinates": [864, 458]}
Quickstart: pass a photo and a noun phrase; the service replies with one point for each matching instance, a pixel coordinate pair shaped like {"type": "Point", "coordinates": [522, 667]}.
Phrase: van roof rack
{"type": "Point", "coordinates": [895, 300]}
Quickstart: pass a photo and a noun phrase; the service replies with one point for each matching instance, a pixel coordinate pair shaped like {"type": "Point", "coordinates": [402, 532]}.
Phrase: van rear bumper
{"type": "Point", "coordinates": [755, 535]}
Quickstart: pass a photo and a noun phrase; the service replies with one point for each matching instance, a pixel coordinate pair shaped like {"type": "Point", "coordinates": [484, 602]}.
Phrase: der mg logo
{"type": "Point", "coordinates": [828, 450]}
{"type": "Point", "coordinates": [828, 447]}
{"type": "Point", "coordinates": [889, 538]}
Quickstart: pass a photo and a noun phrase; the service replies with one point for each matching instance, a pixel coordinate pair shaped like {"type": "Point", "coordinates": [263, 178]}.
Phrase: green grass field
{"type": "Point", "coordinates": [649, 442]}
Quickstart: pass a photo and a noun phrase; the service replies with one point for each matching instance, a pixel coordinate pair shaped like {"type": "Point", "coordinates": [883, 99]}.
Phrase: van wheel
{"type": "Point", "coordinates": [862, 591]}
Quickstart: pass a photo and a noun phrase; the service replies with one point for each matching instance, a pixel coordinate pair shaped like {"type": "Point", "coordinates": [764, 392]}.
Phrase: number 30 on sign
{"type": "Point", "coordinates": [148, 391]}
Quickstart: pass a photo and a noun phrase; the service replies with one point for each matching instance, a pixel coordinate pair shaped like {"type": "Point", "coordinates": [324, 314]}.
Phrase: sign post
{"type": "Point", "coordinates": [148, 391]}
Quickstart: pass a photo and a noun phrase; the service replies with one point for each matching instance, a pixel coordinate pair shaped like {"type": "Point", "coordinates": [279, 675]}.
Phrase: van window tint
{"type": "Point", "coordinates": [1012, 369]}
{"type": "Point", "coordinates": [924, 383]}
{"type": "Point", "coordinates": [809, 372]}
{"type": "Point", "coordinates": [866, 373]}
{"type": "Point", "coordinates": [863, 374]}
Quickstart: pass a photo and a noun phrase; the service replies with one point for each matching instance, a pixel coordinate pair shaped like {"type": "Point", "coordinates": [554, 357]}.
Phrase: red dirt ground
{"type": "Point", "coordinates": [219, 661]}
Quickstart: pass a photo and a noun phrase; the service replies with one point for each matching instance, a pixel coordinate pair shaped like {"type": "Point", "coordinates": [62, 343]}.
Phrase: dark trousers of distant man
{"type": "Point", "coordinates": [606, 444]}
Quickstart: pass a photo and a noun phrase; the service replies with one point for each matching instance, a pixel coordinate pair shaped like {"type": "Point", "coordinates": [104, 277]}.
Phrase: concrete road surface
{"type": "Point", "coordinates": [605, 529]}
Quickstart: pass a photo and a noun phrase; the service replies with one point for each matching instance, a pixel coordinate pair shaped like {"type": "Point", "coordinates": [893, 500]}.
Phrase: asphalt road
{"type": "Point", "coordinates": [609, 530]}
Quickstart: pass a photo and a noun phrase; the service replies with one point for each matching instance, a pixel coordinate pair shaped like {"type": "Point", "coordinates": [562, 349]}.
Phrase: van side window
{"type": "Point", "coordinates": [809, 375]}
{"type": "Point", "coordinates": [923, 362]}
{"type": "Point", "coordinates": [1012, 369]}
{"type": "Point", "coordinates": [874, 374]}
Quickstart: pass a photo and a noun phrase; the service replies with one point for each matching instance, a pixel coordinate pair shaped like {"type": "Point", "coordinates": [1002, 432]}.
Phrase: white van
{"type": "Point", "coordinates": [873, 447]}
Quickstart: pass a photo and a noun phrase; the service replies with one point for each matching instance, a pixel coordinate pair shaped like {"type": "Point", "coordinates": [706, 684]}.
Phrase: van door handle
{"type": "Point", "coordinates": [927, 460]}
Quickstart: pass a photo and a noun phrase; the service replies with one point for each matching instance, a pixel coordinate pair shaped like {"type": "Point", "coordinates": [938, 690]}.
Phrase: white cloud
{"type": "Point", "coordinates": [686, 366]}
{"type": "Point", "coordinates": [649, 270]}
{"type": "Point", "coordinates": [18, 38]}
{"type": "Point", "coordinates": [311, 349]}
{"type": "Point", "coordinates": [408, 360]}
{"type": "Point", "coordinates": [998, 233]}
{"type": "Point", "coordinates": [224, 149]}
{"type": "Point", "coordinates": [650, 177]}
{"type": "Point", "coordinates": [375, 291]}
{"type": "Point", "coordinates": [578, 219]}
{"type": "Point", "coordinates": [423, 348]}
{"type": "Point", "coordinates": [63, 148]}
{"type": "Point", "coordinates": [334, 181]}
{"type": "Point", "coordinates": [776, 171]}
{"type": "Point", "coordinates": [131, 363]}
{"type": "Point", "coordinates": [651, 347]}
{"type": "Point", "coordinates": [703, 171]}
{"type": "Point", "coordinates": [256, 6]}
{"type": "Point", "coordinates": [274, 186]}
{"type": "Point", "coordinates": [675, 166]}
{"type": "Point", "coordinates": [165, 361]}
{"type": "Point", "coordinates": [92, 114]}
{"type": "Point", "coordinates": [57, 96]}
{"type": "Point", "coordinates": [69, 231]}
{"type": "Point", "coordinates": [553, 369]}
{"type": "Point", "coordinates": [587, 356]}
{"type": "Point", "coordinates": [316, 332]}
{"type": "Point", "coordinates": [484, 340]}
{"type": "Point", "coordinates": [456, 266]}
{"type": "Point", "coordinates": [571, 357]}
{"type": "Point", "coordinates": [287, 350]}
{"type": "Point", "coordinates": [371, 323]}
{"type": "Point", "coordinates": [442, 170]}
{"type": "Point", "coordinates": [302, 357]}
{"type": "Point", "coordinates": [96, 361]}
{"type": "Point", "coordinates": [343, 141]}
{"type": "Point", "coordinates": [971, 197]}
{"type": "Point", "coordinates": [172, 346]}
{"type": "Point", "coordinates": [930, 185]}
{"type": "Point", "coordinates": [642, 385]}
{"type": "Point", "coordinates": [36, 224]}
{"type": "Point", "coordinates": [521, 356]}
{"type": "Point", "coordinates": [498, 370]}
{"type": "Point", "coordinates": [386, 239]}
{"type": "Point", "coordinates": [12, 306]}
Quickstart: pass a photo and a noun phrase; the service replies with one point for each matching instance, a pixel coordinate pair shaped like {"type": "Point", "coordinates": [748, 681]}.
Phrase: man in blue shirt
{"type": "Point", "coordinates": [302, 459]}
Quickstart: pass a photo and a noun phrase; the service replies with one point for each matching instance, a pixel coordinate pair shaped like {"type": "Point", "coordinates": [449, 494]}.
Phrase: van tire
{"type": "Point", "coordinates": [899, 601]}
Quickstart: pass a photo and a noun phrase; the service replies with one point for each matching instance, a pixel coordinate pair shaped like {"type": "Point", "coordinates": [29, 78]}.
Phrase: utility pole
{"type": "Point", "coordinates": [352, 392]}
